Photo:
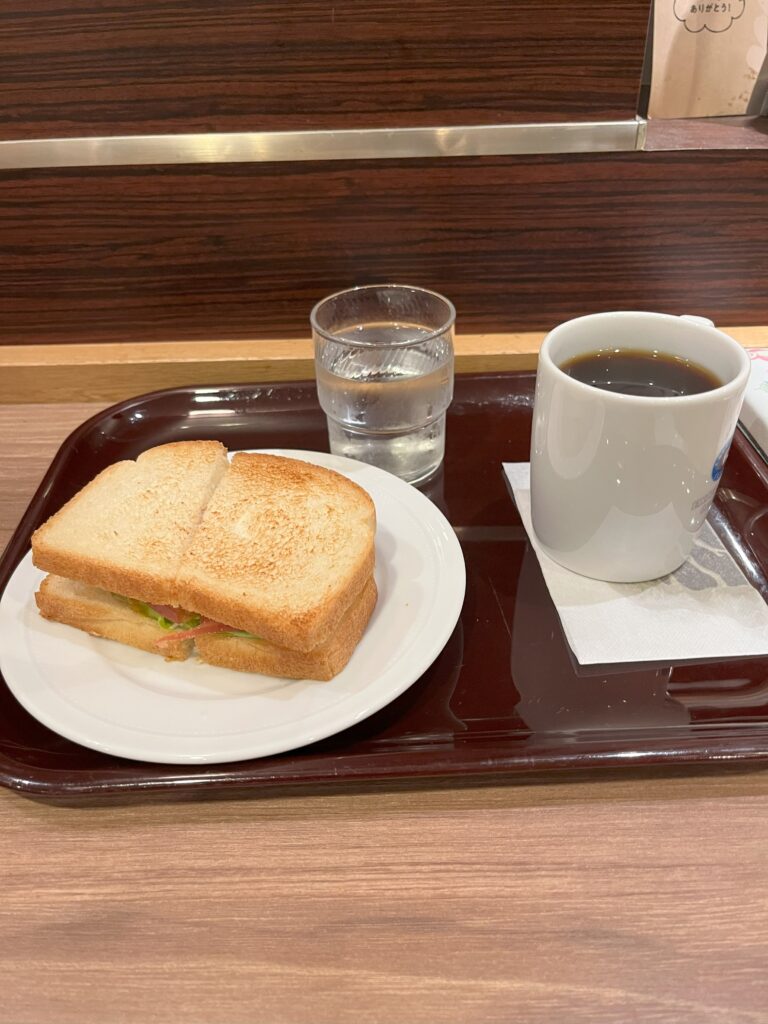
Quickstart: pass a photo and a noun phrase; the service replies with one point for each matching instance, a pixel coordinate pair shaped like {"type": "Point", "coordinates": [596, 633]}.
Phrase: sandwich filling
{"type": "Point", "coordinates": [179, 623]}
{"type": "Point", "coordinates": [176, 633]}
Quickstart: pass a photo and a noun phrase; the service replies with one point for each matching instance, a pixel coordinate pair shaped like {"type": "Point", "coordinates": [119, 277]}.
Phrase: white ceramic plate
{"type": "Point", "coordinates": [126, 702]}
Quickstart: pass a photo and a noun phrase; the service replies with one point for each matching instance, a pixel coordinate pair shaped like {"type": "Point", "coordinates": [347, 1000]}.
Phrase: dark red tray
{"type": "Point", "coordinates": [504, 697]}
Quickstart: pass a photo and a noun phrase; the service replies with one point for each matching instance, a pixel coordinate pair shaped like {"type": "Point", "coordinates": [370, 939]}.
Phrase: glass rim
{"type": "Point", "coordinates": [445, 326]}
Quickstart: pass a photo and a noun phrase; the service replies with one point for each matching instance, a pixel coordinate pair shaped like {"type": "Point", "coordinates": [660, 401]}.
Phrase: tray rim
{"type": "Point", "coordinates": [705, 748]}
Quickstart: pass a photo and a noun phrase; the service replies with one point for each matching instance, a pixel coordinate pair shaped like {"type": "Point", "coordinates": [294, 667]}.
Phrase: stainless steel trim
{"type": "Point", "coordinates": [347, 144]}
{"type": "Point", "coordinates": [642, 133]}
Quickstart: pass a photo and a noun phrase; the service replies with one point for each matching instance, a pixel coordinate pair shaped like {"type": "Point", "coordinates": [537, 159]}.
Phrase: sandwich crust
{"type": "Point", "coordinates": [283, 550]}
{"type": "Point", "coordinates": [322, 663]}
{"type": "Point", "coordinates": [126, 530]}
{"type": "Point", "coordinates": [102, 614]}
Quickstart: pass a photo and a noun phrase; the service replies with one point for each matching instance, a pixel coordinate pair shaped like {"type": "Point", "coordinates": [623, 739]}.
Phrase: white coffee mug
{"type": "Point", "coordinates": [621, 484]}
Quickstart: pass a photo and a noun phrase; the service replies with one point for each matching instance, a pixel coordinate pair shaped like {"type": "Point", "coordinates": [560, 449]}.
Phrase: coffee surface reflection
{"type": "Point", "coordinates": [630, 371]}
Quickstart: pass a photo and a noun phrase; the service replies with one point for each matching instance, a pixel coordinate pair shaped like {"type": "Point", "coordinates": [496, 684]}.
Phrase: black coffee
{"type": "Point", "coordinates": [638, 372]}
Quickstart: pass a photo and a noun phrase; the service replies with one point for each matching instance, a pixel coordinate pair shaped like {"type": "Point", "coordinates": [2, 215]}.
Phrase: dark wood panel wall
{"type": "Point", "coordinates": [84, 67]}
{"type": "Point", "coordinates": [229, 251]}
{"type": "Point", "coordinates": [239, 250]}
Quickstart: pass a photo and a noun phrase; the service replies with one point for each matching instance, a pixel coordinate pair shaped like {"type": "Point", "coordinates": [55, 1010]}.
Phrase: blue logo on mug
{"type": "Point", "coordinates": [717, 469]}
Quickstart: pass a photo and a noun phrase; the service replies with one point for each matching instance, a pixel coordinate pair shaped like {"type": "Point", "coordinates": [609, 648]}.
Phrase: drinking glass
{"type": "Point", "coordinates": [384, 367]}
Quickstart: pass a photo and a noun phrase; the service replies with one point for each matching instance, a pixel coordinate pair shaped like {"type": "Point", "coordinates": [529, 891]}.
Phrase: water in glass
{"type": "Point", "coordinates": [385, 402]}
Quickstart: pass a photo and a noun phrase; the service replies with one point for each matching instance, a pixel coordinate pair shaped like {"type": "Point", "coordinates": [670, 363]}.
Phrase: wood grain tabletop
{"type": "Point", "coordinates": [623, 898]}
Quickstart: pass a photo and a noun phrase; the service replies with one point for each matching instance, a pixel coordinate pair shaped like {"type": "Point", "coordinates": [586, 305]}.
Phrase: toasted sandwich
{"type": "Point", "coordinates": [262, 564]}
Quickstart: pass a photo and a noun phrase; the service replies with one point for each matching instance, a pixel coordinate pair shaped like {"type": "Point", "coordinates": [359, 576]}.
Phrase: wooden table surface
{"type": "Point", "coordinates": [627, 898]}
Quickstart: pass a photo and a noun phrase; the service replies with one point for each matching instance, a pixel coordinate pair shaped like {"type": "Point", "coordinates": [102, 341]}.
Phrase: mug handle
{"type": "Point", "coordinates": [705, 321]}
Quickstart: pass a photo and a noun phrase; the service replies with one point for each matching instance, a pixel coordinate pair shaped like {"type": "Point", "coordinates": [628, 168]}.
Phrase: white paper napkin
{"type": "Point", "coordinates": [706, 609]}
{"type": "Point", "coordinates": [754, 412]}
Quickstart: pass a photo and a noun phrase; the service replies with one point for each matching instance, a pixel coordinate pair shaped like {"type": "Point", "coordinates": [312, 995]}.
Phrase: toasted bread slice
{"type": "Point", "coordinates": [324, 662]}
{"type": "Point", "coordinates": [126, 530]}
{"type": "Point", "coordinates": [282, 551]}
{"type": "Point", "coordinates": [102, 614]}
